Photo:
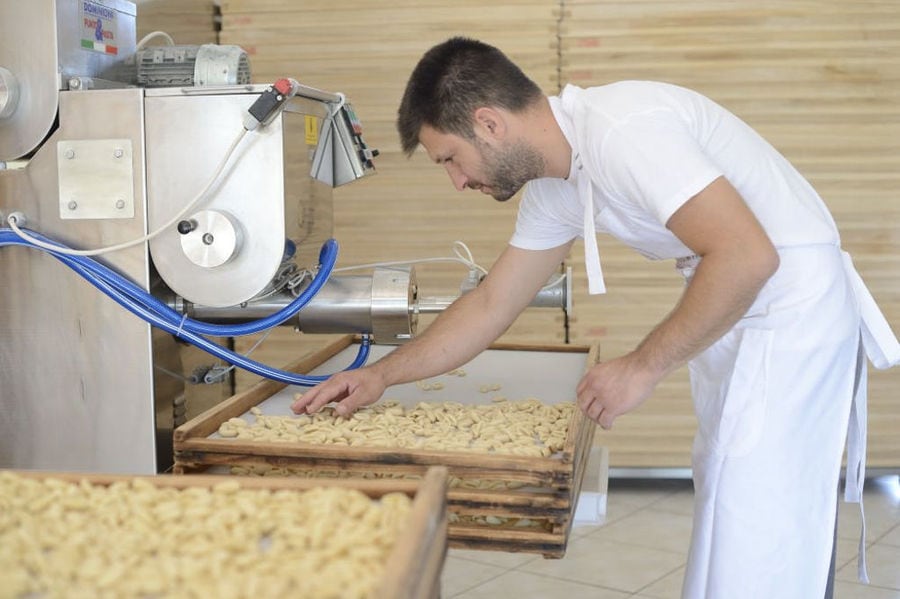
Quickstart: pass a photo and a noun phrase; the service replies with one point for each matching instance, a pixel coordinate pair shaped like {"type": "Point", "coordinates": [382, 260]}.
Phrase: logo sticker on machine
{"type": "Point", "coordinates": [98, 28]}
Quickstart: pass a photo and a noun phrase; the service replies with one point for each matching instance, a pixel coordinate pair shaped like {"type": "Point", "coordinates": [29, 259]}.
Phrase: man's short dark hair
{"type": "Point", "coordinates": [451, 81]}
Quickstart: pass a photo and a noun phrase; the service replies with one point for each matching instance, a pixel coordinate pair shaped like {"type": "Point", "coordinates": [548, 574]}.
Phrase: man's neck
{"type": "Point", "coordinates": [550, 141]}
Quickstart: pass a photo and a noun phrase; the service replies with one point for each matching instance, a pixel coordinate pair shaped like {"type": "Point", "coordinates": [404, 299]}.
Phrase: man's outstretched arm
{"type": "Point", "coordinates": [458, 334]}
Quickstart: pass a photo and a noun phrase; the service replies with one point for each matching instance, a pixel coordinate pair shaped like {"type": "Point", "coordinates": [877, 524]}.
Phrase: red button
{"type": "Point", "coordinates": [283, 86]}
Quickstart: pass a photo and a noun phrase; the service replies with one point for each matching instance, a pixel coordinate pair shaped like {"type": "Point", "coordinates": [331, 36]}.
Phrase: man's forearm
{"type": "Point", "coordinates": [719, 294]}
{"type": "Point", "coordinates": [463, 330]}
{"type": "Point", "coordinates": [456, 336]}
{"type": "Point", "coordinates": [475, 320]}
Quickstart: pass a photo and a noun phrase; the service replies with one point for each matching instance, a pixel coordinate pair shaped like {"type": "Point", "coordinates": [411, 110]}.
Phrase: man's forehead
{"type": "Point", "coordinates": [437, 144]}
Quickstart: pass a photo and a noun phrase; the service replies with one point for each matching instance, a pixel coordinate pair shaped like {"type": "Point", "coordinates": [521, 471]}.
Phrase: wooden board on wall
{"type": "Point", "coordinates": [409, 209]}
{"type": "Point", "coordinates": [820, 80]}
{"type": "Point", "coordinates": [187, 21]}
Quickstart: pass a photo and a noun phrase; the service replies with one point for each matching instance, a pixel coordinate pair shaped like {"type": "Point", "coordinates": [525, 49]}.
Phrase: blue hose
{"type": "Point", "coordinates": [142, 304]}
{"type": "Point", "coordinates": [327, 259]}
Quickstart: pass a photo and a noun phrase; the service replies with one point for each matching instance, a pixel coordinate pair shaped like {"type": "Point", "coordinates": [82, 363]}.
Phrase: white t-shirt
{"type": "Point", "coordinates": [649, 147]}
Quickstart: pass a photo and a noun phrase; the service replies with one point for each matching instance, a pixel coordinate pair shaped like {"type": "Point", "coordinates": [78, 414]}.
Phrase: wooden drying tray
{"type": "Point", "coordinates": [551, 484]}
{"type": "Point", "coordinates": [413, 569]}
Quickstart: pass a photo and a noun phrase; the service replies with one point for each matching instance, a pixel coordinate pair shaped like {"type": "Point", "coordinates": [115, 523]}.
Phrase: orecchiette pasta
{"type": "Point", "coordinates": [136, 540]}
{"type": "Point", "coordinates": [526, 427]}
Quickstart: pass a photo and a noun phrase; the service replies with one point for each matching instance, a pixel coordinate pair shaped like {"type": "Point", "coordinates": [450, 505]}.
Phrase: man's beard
{"type": "Point", "coordinates": [510, 167]}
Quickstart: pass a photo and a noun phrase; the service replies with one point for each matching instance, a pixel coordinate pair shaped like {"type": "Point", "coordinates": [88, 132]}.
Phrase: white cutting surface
{"type": "Point", "coordinates": [548, 376]}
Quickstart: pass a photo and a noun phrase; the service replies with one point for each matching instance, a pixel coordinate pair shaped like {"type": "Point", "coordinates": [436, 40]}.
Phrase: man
{"type": "Point", "coordinates": [771, 321]}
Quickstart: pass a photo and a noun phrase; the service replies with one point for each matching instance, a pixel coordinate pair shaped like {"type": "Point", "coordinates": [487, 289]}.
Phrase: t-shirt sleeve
{"type": "Point", "coordinates": [652, 159]}
{"type": "Point", "coordinates": [543, 220]}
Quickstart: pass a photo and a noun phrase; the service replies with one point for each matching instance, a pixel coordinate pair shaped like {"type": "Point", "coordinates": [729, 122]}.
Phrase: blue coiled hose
{"type": "Point", "coordinates": [142, 304]}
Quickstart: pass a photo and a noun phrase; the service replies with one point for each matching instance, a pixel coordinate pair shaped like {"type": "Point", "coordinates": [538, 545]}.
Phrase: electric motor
{"type": "Point", "coordinates": [189, 66]}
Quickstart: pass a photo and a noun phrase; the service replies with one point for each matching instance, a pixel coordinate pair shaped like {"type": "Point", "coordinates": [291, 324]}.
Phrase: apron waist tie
{"type": "Point", "coordinates": [856, 457]}
{"type": "Point", "coordinates": [589, 232]}
{"type": "Point", "coordinates": [880, 345]}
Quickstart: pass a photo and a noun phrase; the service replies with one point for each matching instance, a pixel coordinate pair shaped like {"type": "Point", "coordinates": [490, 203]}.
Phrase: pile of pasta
{"type": "Point", "coordinates": [132, 539]}
{"type": "Point", "coordinates": [526, 427]}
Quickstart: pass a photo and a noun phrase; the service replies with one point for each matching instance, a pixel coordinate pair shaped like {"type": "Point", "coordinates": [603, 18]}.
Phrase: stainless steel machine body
{"type": "Point", "coordinates": [268, 198]}
{"type": "Point", "coordinates": [90, 160]}
{"type": "Point", "coordinates": [78, 373]}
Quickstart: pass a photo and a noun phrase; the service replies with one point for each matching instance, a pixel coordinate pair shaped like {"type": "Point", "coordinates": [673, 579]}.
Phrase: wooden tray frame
{"type": "Point", "coordinates": [552, 484]}
{"type": "Point", "coordinates": [413, 568]}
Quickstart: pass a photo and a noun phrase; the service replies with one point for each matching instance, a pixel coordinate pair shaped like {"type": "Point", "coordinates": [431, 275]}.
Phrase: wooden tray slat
{"type": "Point", "coordinates": [414, 568]}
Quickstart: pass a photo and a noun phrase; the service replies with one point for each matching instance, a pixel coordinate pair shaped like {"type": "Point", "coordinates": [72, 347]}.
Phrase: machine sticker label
{"type": "Point", "coordinates": [98, 28]}
{"type": "Point", "coordinates": [312, 130]}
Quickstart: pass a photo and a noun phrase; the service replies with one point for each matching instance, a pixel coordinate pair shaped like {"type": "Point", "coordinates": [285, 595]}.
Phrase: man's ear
{"type": "Point", "coordinates": [491, 122]}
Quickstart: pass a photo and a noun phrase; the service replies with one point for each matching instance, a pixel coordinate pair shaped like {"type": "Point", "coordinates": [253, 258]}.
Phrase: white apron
{"type": "Point", "coordinates": [773, 399]}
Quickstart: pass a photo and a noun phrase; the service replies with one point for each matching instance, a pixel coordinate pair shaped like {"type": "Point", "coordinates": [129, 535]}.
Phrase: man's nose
{"type": "Point", "coordinates": [457, 177]}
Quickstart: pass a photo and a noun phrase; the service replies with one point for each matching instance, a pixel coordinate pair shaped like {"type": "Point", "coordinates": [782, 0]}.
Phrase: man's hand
{"type": "Point", "coordinates": [613, 388]}
{"type": "Point", "coordinates": [352, 390]}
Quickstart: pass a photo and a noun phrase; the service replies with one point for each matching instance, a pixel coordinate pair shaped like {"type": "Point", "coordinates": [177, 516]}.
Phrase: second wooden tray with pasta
{"type": "Point", "coordinates": [114, 535]}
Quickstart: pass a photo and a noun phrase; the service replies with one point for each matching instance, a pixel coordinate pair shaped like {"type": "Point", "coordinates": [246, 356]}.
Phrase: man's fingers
{"type": "Point", "coordinates": [315, 399]}
{"type": "Point", "coordinates": [299, 405]}
{"type": "Point", "coordinates": [596, 411]}
{"type": "Point", "coordinates": [606, 420]}
{"type": "Point", "coordinates": [354, 401]}
{"type": "Point", "coordinates": [302, 404]}
{"type": "Point", "coordinates": [346, 406]}
{"type": "Point", "coordinates": [584, 399]}
{"type": "Point", "coordinates": [589, 405]}
{"type": "Point", "coordinates": [581, 387]}
{"type": "Point", "coordinates": [325, 394]}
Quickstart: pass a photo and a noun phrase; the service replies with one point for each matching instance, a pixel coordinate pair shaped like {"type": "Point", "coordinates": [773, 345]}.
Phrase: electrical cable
{"type": "Point", "coordinates": [254, 117]}
{"type": "Point", "coordinates": [467, 260]}
{"type": "Point", "coordinates": [152, 35]}
{"type": "Point", "coordinates": [13, 220]}
{"type": "Point", "coordinates": [134, 299]}
{"type": "Point", "coordinates": [249, 351]}
{"type": "Point", "coordinates": [140, 303]}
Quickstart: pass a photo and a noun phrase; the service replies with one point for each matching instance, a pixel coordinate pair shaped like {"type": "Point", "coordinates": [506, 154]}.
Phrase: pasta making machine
{"type": "Point", "coordinates": [200, 204]}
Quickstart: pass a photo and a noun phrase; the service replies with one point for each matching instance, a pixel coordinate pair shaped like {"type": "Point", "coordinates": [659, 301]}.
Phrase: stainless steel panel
{"type": "Point", "coordinates": [393, 297]}
{"type": "Point", "coordinates": [308, 203]}
{"type": "Point", "coordinates": [9, 93]}
{"type": "Point", "coordinates": [41, 44]}
{"type": "Point", "coordinates": [96, 178]}
{"type": "Point", "coordinates": [76, 390]}
{"type": "Point", "coordinates": [28, 50]}
{"type": "Point", "coordinates": [267, 191]}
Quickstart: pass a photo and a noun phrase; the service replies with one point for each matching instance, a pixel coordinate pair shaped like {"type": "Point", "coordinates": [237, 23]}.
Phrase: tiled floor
{"type": "Point", "coordinates": [640, 551]}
